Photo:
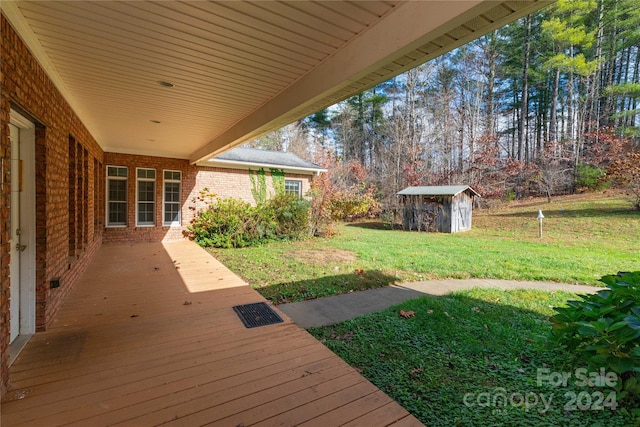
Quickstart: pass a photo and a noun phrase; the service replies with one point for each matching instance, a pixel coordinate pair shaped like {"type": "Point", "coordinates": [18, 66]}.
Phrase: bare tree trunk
{"type": "Point", "coordinates": [636, 78]}
{"type": "Point", "coordinates": [524, 99]}
{"type": "Point", "coordinates": [553, 119]}
{"type": "Point", "coordinates": [593, 114]}
{"type": "Point", "coordinates": [491, 84]}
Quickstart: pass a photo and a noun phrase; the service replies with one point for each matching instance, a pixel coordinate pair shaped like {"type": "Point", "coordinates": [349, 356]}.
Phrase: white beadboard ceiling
{"type": "Point", "coordinates": [239, 68]}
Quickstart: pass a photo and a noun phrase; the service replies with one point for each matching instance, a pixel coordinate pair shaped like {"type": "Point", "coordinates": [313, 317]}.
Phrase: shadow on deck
{"type": "Point", "coordinates": [149, 336]}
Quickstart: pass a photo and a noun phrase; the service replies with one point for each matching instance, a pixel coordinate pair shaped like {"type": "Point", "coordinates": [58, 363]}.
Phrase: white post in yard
{"type": "Point", "coordinates": [540, 216]}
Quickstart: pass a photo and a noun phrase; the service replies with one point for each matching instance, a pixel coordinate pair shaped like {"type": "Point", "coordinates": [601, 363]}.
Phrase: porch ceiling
{"type": "Point", "coordinates": [240, 69]}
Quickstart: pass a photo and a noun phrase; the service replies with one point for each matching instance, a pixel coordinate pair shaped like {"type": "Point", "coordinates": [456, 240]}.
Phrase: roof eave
{"type": "Point", "coordinates": [235, 164]}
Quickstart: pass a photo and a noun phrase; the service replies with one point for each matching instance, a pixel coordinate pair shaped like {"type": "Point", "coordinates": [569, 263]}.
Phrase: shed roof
{"type": "Point", "coordinates": [437, 190]}
{"type": "Point", "coordinates": [243, 156]}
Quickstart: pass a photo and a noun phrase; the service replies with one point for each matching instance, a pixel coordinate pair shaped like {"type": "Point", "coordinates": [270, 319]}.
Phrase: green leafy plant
{"type": "Point", "coordinates": [289, 216]}
{"type": "Point", "coordinates": [233, 223]}
{"type": "Point", "coordinates": [357, 202]}
{"type": "Point", "coordinates": [603, 330]}
{"type": "Point", "coordinates": [277, 177]}
{"type": "Point", "coordinates": [589, 176]}
{"type": "Point", "coordinates": [258, 185]}
{"type": "Point", "coordinates": [226, 223]}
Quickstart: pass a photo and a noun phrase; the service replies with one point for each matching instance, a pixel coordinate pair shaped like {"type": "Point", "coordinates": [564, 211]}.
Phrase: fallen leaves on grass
{"type": "Point", "coordinates": [414, 374]}
{"type": "Point", "coordinates": [345, 337]}
{"type": "Point", "coordinates": [407, 314]}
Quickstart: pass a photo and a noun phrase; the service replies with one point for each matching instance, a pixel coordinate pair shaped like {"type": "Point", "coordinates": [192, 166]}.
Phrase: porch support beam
{"type": "Point", "coordinates": [409, 26]}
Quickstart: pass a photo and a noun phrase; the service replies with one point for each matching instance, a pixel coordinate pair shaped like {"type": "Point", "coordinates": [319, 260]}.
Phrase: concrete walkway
{"type": "Point", "coordinates": [331, 310]}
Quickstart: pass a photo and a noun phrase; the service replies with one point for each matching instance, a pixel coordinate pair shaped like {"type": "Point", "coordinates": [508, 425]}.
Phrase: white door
{"type": "Point", "coordinates": [22, 227]}
{"type": "Point", "coordinates": [14, 242]}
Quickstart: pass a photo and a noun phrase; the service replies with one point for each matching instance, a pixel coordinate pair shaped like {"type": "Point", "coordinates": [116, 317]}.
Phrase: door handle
{"type": "Point", "coordinates": [20, 247]}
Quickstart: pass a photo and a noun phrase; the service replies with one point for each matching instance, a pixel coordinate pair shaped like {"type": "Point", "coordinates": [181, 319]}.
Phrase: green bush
{"type": "Point", "coordinates": [603, 330]}
{"type": "Point", "coordinates": [589, 176]}
{"type": "Point", "coordinates": [233, 223]}
{"type": "Point", "coordinates": [353, 203]}
{"type": "Point", "coordinates": [289, 216]}
{"type": "Point", "coordinates": [226, 223]}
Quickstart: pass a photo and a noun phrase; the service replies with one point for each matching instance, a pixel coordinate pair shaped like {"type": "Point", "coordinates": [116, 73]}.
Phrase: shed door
{"type": "Point", "coordinates": [464, 214]}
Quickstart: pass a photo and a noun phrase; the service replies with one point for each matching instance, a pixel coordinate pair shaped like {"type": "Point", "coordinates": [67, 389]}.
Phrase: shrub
{"type": "Point", "coordinates": [233, 223]}
{"type": "Point", "coordinates": [589, 176]}
{"type": "Point", "coordinates": [226, 223]}
{"type": "Point", "coordinates": [354, 203]}
{"type": "Point", "coordinates": [289, 216]}
{"type": "Point", "coordinates": [603, 330]}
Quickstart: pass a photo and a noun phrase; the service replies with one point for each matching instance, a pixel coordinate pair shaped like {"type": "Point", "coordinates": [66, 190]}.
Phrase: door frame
{"type": "Point", "coordinates": [27, 261]}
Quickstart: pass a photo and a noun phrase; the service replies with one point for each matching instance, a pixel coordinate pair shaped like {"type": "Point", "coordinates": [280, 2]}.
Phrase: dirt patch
{"type": "Point", "coordinates": [321, 256]}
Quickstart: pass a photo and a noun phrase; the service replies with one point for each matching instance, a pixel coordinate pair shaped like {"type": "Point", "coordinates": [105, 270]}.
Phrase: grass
{"type": "Point", "coordinates": [584, 238]}
{"type": "Point", "coordinates": [469, 358]}
{"type": "Point", "coordinates": [482, 347]}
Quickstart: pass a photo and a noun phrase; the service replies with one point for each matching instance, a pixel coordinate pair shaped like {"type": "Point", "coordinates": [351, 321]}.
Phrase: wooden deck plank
{"type": "Point", "coordinates": [162, 355]}
{"type": "Point", "coordinates": [298, 414]}
{"type": "Point", "coordinates": [50, 373]}
{"type": "Point", "coordinates": [149, 336]}
{"type": "Point", "coordinates": [271, 402]}
{"type": "Point", "coordinates": [101, 380]}
{"type": "Point", "coordinates": [381, 417]}
{"type": "Point", "coordinates": [150, 397]}
{"type": "Point", "coordinates": [349, 410]}
{"type": "Point", "coordinates": [195, 413]}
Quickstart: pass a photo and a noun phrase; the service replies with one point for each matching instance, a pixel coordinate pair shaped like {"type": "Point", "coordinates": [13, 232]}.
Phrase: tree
{"type": "Point", "coordinates": [568, 29]}
{"type": "Point", "coordinates": [626, 171]}
{"type": "Point", "coordinates": [319, 123]}
{"type": "Point", "coordinates": [522, 109]}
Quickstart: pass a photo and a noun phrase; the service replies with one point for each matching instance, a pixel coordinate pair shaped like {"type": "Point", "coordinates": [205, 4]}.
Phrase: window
{"type": "Point", "coordinates": [293, 187]}
{"type": "Point", "coordinates": [116, 196]}
{"type": "Point", "coordinates": [172, 208]}
{"type": "Point", "coordinates": [146, 197]}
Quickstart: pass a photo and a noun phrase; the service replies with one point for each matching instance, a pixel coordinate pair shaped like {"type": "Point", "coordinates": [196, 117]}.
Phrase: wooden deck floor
{"type": "Point", "coordinates": [149, 336]}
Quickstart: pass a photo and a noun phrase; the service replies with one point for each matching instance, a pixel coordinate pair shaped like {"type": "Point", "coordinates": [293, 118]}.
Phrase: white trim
{"type": "Point", "coordinates": [299, 181]}
{"type": "Point", "coordinates": [27, 305]}
{"type": "Point", "coordinates": [143, 152]}
{"type": "Point", "coordinates": [138, 180]}
{"type": "Point", "coordinates": [106, 195]}
{"type": "Point", "coordinates": [19, 120]}
{"type": "Point", "coordinates": [164, 201]}
{"type": "Point", "coordinates": [12, 11]}
{"type": "Point", "coordinates": [236, 164]}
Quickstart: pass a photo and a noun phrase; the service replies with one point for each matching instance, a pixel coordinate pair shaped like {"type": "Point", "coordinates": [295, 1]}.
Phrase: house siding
{"type": "Point", "coordinates": [24, 85]}
{"type": "Point", "coordinates": [197, 183]}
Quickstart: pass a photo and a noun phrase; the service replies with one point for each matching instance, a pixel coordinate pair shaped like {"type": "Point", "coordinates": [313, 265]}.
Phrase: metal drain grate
{"type": "Point", "coordinates": [256, 314]}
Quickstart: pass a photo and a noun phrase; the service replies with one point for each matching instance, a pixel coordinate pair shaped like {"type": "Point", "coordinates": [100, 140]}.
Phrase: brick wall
{"type": "Point", "coordinates": [25, 86]}
{"type": "Point", "coordinates": [196, 181]}
{"type": "Point", "coordinates": [5, 197]}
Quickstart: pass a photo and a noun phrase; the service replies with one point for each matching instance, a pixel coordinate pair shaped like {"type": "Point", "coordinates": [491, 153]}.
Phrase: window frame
{"type": "Point", "coordinates": [108, 200]}
{"type": "Point", "coordinates": [297, 181]}
{"type": "Point", "coordinates": [139, 179]}
{"type": "Point", "coordinates": [166, 181]}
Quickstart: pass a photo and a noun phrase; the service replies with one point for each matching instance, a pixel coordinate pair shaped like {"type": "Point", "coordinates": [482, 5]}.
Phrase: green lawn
{"type": "Point", "coordinates": [584, 238]}
{"type": "Point", "coordinates": [472, 359]}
